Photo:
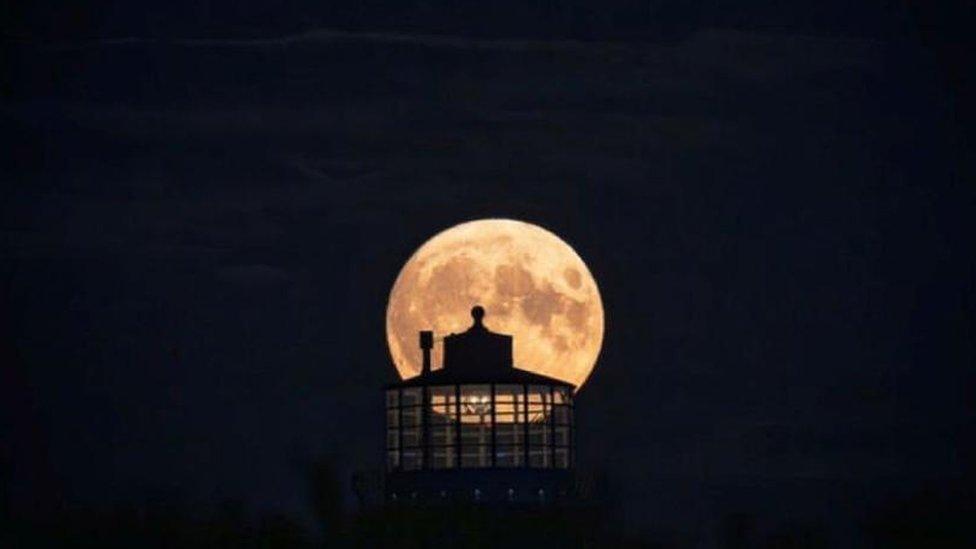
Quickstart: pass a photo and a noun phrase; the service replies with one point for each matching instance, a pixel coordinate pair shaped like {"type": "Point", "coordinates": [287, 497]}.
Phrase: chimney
{"type": "Point", "coordinates": [426, 344]}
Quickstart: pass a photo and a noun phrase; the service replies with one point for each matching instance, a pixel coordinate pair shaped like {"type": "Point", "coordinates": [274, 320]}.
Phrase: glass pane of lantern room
{"type": "Point", "coordinates": [561, 435]}
{"type": "Point", "coordinates": [411, 396]}
{"type": "Point", "coordinates": [508, 456]}
{"type": "Point", "coordinates": [412, 460]}
{"type": "Point", "coordinates": [443, 404]}
{"type": "Point", "coordinates": [392, 418]}
{"type": "Point", "coordinates": [539, 404]}
{"type": "Point", "coordinates": [509, 425]}
{"type": "Point", "coordinates": [475, 434]}
{"type": "Point", "coordinates": [562, 458]}
{"type": "Point", "coordinates": [540, 457]}
{"type": "Point", "coordinates": [476, 456]}
{"type": "Point", "coordinates": [562, 415]}
{"type": "Point", "coordinates": [443, 458]}
{"type": "Point", "coordinates": [443, 435]}
{"type": "Point", "coordinates": [538, 434]}
{"type": "Point", "coordinates": [411, 437]}
{"type": "Point", "coordinates": [476, 423]}
{"type": "Point", "coordinates": [411, 416]}
{"type": "Point", "coordinates": [509, 404]}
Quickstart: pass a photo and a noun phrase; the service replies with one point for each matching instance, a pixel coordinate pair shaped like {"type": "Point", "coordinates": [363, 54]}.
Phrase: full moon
{"type": "Point", "coordinates": [532, 285]}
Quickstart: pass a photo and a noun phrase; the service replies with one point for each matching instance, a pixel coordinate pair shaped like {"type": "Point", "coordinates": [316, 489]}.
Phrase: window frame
{"type": "Point", "coordinates": [504, 434]}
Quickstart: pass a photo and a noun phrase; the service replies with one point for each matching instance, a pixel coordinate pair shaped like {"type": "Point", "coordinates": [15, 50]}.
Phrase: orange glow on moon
{"type": "Point", "coordinates": [532, 285]}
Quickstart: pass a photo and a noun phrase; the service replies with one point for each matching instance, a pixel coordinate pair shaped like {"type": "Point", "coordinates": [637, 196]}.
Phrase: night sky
{"type": "Point", "coordinates": [204, 207]}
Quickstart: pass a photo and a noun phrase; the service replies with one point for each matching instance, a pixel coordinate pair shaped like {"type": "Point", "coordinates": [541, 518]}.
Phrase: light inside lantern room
{"type": "Point", "coordinates": [469, 425]}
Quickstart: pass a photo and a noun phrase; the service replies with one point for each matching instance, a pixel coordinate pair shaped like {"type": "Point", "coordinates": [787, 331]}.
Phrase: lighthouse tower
{"type": "Point", "coordinates": [478, 429]}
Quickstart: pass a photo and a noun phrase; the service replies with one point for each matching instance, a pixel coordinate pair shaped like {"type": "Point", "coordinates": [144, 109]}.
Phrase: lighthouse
{"type": "Point", "coordinates": [478, 429]}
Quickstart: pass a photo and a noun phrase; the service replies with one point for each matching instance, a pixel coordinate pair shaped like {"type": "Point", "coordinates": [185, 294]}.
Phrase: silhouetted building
{"type": "Point", "coordinates": [478, 429]}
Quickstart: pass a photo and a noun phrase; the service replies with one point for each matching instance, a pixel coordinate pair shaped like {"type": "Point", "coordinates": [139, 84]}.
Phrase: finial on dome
{"type": "Point", "coordinates": [477, 313]}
